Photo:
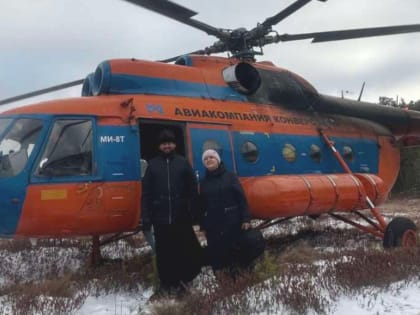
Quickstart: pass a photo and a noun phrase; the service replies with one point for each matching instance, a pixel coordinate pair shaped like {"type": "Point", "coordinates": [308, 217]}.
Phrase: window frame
{"type": "Point", "coordinates": [37, 177]}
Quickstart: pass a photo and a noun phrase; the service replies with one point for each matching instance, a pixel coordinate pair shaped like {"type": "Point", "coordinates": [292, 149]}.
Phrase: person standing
{"type": "Point", "coordinates": [169, 199]}
{"type": "Point", "coordinates": [225, 213]}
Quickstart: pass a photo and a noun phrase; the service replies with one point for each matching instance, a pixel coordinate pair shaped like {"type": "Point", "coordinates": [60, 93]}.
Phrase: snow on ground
{"type": "Point", "coordinates": [115, 304]}
{"type": "Point", "coordinates": [401, 298]}
{"type": "Point", "coordinates": [404, 302]}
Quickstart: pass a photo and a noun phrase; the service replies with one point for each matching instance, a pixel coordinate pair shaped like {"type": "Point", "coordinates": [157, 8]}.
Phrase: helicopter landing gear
{"type": "Point", "coordinates": [95, 258]}
{"type": "Point", "coordinates": [400, 232]}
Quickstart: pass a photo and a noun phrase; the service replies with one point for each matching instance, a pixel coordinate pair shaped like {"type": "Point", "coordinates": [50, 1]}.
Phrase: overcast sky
{"type": "Point", "coordinates": [48, 42]}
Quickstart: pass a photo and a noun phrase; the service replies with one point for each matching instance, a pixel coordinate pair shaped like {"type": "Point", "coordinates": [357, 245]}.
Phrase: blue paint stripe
{"type": "Point", "coordinates": [118, 153]}
{"type": "Point", "coordinates": [132, 84]}
{"type": "Point", "coordinates": [106, 82]}
{"type": "Point", "coordinates": [271, 160]}
{"type": "Point", "coordinates": [199, 136]}
{"type": "Point", "coordinates": [13, 189]}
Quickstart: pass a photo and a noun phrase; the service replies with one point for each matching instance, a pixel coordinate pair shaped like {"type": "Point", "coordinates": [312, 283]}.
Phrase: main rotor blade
{"type": "Point", "coordinates": [39, 92]}
{"type": "Point", "coordinates": [350, 34]}
{"type": "Point", "coordinates": [178, 13]}
{"type": "Point", "coordinates": [165, 7]}
{"type": "Point", "coordinates": [265, 27]}
{"type": "Point", "coordinates": [284, 13]}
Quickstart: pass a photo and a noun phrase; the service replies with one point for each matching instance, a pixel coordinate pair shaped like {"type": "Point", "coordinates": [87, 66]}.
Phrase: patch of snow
{"type": "Point", "coordinates": [115, 304]}
{"type": "Point", "coordinates": [404, 301]}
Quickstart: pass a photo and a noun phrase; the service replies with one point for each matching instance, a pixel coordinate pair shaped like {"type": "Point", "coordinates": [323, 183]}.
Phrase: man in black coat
{"type": "Point", "coordinates": [169, 197]}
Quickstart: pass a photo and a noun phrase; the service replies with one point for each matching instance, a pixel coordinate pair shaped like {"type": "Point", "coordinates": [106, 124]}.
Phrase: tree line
{"type": "Point", "coordinates": [400, 103]}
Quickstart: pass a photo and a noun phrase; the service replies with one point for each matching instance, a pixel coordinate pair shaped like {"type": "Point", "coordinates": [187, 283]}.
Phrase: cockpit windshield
{"type": "Point", "coordinates": [69, 149]}
{"type": "Point", "coordinates": [17, 141]}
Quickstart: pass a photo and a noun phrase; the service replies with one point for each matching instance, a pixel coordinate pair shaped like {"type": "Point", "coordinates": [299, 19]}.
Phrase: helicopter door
{"type": "Point", "coordinates": [203, 137]}
{"type": "Point", "coordinates": [63, 181]}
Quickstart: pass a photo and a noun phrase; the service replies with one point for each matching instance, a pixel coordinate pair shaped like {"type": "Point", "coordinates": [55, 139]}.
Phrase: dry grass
{"type": "Point", "coordinates": [59, 280]}
{"type": "Point", "coordinates": [296, 284]}
{"type": "Point", "coordinates": [302, 270]}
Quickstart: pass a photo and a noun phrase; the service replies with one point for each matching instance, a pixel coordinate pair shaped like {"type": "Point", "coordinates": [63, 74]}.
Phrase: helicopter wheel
{"type": "Point", "coordinates": [400, 232]}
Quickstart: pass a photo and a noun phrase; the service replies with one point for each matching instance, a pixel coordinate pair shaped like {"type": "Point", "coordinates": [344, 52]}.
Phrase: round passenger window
{"type": "Point", "coordinates": [289, 152]}
{"type": "Point", "coordinates": [249, 151]}
{"type": "Point", "coordinates": [348, 153]}
{"type": "Point", "coordinates": [315, 153]}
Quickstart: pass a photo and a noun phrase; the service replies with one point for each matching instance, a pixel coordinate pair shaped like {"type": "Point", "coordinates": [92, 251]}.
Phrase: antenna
{"type": "Point", "coordinates": [361, 91]}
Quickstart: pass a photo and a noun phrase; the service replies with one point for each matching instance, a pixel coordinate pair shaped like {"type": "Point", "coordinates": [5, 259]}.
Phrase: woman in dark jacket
{"type": "Point", "coordinates": [225, 212]}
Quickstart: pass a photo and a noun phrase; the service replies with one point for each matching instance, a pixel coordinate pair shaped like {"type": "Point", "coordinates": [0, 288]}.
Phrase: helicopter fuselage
{"type": "Point", "coordinates": [285, 167]}
{"type": "Point", "coordinates": [74, 166]}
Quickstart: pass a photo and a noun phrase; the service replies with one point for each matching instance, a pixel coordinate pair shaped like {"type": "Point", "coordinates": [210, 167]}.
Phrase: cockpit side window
{"type": "Point", "coordinates": [4, 123]}
{"type": "Point", "coordinates": [69, 149]}
{"type": "Point", "coordinates": [17, 144]}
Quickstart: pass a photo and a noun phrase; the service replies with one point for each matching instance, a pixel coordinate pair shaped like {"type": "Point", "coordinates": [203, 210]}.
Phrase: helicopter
{"type": "Point", "coordinates": [73, 167]}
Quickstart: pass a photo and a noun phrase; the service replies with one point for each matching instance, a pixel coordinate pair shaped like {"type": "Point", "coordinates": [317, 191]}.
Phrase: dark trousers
{"type": "Point", "coordinates": [178, 254]}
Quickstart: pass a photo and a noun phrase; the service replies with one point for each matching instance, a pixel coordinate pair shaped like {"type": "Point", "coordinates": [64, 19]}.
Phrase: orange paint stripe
{"type": "Point", "coordinates": [110, 111]}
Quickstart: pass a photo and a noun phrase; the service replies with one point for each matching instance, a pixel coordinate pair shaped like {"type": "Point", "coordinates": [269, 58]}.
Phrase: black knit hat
{"type": "Point", "coordinates": [166, 135]}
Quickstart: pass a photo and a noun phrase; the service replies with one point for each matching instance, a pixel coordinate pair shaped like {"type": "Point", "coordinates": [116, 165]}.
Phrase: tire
{"type": "Point", "coordinates": [400, 232]}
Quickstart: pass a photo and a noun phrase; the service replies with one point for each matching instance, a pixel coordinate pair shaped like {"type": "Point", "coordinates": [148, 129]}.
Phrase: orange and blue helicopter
{"type": "Point", "coordinates": [73, 167]}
